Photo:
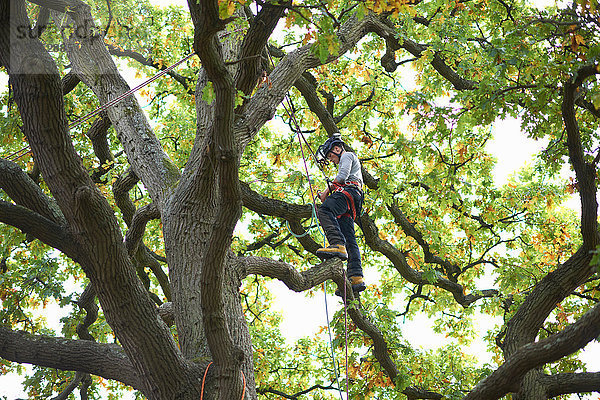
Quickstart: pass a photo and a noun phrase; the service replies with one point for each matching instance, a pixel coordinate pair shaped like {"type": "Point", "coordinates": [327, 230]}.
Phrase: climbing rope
{"type": "Point", "coordinates": [204, 379]}
{"type": "Point", "coordinates": [21, 152]}
{"type": "Point", "coordinates": [335, 364]}
{"type": "Point", "coordinates": [346, 340]}
{"type": "Point", "coordinates": [313, 218]}
{"type": "Point", "coordinates": [291, 114]}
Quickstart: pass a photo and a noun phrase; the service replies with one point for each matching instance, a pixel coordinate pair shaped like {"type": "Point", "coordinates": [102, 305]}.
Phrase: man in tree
{"type": "Point", "coordinates": [342, 201]}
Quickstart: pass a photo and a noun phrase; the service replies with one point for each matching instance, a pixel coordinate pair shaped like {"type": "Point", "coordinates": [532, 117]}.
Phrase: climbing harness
{"type": "Point", "coordinates": [341, 188]}
{"type": "Point", "coordinates": [204, 379]}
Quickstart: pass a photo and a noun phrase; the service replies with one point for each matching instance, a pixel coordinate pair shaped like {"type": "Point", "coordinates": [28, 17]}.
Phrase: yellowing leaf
{"type": "Point", "coordinates": [596, 100]}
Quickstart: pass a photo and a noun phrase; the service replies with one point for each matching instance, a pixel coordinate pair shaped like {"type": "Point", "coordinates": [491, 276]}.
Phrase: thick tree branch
{"type": "Point", "coordinates": [584, 171]}
{"type": "Point", "coordinates": [40, 227]}
{"type": "Point", "coordinates": [524, 325]}
{"type": "Point", "coordinates": [70, 82]}
{"type": "Point", "coordinates": [586, 105]}
{"type": "Point", "coordinates": [276, 208]}
{"type": "Point", "coordinates": [138, 225]}
{"type": "Point", "coordinates": [87, 301]}
{"type": "Point", "coordinates": [143, 255]}
{"type": "Point", "coordinates": [98, 136]}
{"type": "Point", "coordinates": [105, 360]}
{"type": "Point", "coordinates": [19, 186]}
{"type": "Point", "coordinates": [298, 281]}
{"type": "Point", "coordinates": [223, 155]}
{"type": "Point", "coordinates": [306, 84]}
{"type": "Point", "coordinates": [124, 183]}
{"type": "Point", "coordinates": [567, 383]}
{"type": "Point", "coordinates": [261, 28]}
{"type": "Point", "coordinates": [507, 377]}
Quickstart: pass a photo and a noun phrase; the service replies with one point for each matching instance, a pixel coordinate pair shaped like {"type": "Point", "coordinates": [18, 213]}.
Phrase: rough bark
{"type": "Point", "coordinates": [105, 360]}
{"type": "Point", "coordinates": [566, 383]}
{"type": "Point", "coordinates": [40, 227]}
{"type": "Point", "coordinates": [94, 66]}
{"type": "Point", "coordinates": [524, 326]}
{"type": "Point", "coordinates": [25, 192]}
{"type": "Point", "coordinates": [509, 375]}
{"type": "Point", "coordinates": [129, 311]}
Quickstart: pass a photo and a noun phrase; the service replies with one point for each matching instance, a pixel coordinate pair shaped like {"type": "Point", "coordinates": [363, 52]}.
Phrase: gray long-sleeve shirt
{"type": "Point", "coordinates": [349, 169]}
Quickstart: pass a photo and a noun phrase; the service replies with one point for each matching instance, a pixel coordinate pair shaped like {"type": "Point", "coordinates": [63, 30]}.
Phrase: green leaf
{"type": "Point", "coordinates": [208, 93]}
{"type": "Point", "coordinates": [596, 100]}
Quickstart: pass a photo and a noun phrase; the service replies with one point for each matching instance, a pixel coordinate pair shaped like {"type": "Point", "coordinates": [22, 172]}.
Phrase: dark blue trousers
{"type": "Point", "coordinates": [339, 226]}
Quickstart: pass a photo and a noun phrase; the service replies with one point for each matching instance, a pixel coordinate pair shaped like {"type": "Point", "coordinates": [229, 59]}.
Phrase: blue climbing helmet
{"type": "Point", "coordinates": [334, 140]}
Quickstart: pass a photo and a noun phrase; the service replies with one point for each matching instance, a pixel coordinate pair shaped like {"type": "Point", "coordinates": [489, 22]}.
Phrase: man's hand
{"type": "Point", "coordinates": [323, 195]}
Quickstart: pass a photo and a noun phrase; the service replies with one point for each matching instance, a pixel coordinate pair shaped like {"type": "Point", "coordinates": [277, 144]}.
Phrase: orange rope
{"type": "Point", "coordinates": [244, 389]}
{"type": "Point", "coordinates": [204, 379]}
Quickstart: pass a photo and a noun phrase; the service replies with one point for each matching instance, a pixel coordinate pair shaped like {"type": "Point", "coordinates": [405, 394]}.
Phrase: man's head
{"type": "Point", "coordinates": [331, 150]}
{"type": "Point", "coordinates": [335, 153]}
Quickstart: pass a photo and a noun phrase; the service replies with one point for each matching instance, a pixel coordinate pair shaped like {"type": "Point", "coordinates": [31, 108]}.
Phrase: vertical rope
{"type": "Point", "coordinates": [335, 365]}
{"type": "Point", "coordinates": [298, 133]}
{"type": "Point", "coordinates": [346, 338]}
{"type": "Point", "coordinates": [301, 137]}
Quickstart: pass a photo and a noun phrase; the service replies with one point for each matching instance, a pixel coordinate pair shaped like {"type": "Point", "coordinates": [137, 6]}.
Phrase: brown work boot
{"type": "Point", "coordinates": [358, 285]}
{"type": "Point", "coordinates": [334, 250]}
